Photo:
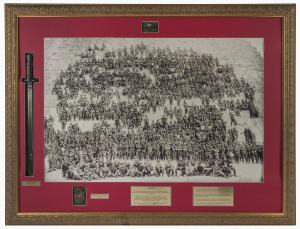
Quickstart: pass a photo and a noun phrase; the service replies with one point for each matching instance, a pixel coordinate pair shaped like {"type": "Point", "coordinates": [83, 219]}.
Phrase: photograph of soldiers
{"type": "Point", "coordinates": [140, 109]}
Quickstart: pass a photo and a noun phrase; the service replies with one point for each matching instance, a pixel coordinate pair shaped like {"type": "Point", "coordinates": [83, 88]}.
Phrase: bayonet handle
{"type": "Point", "coordinates": [29, 65]}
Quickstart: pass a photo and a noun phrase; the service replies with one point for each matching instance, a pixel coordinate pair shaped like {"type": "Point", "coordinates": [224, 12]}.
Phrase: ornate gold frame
{"type": "Point", "coordinates": [288, 14]}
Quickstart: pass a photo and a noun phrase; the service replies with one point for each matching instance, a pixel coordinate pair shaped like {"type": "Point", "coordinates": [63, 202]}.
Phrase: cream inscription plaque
{"type": "Point", "coordinates": [150, 196]}
{"type": "Point", "coordinates": [213, 196]}
{"type": "Point", "coordinates": [31, 183]}
{"type": "Point", "coordinates": [99, 196]}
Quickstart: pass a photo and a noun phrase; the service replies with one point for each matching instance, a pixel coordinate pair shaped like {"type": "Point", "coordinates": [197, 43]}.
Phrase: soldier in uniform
{"type": "Point", "coordinates": [167, 150]}
{"type": "Point", "coordinates": [158, 169]}
{"type": "Point", "coordinates": [228, 161]}
{"type": "Point", "coordinates": [227, 170]}
{"type": "Point", "coordinates": [114, 170]}
{"type": "Point", "coordinates": [208, 165]}
{"type": "Point", "coordinates": [65, 165]}
{"type": "Point", "coordinates": [232, 119]}
{"type": "Point", "coordinates": [123, 168]}
{"type": "Point", "coordinates": [87, 173]}
{"type": "Point", "coordinates": [108, 161]}
{"type": "Point", "coordinates": [105, 171]}
{"type": "Point", "coordinates": [136, 163]}
{"type": "Point", "coordinates": [217, 170]}
{"type": "Point", "coordinates": [131, 171]}
{"type": "Point", "coordinates": [180, 167]}
{"type": "Point", "coordinates": [76, 173]}
{"type": "Point", "coordinates": [189, 169]}
{"type": "Point", "coordinates": [101, 162]}
{"type": "Point", "coordinates": [96, 172]}
{"type": "Point", "coordinates": [169, 168]}
{"type": "Point", "coordinates": [147, 167]}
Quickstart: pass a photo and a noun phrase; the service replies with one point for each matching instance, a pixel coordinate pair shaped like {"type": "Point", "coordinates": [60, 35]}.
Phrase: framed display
{"type": "Point", "coordinates": [150, 114]}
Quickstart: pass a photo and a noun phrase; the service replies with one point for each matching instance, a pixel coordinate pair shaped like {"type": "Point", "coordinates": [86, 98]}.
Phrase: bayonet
{"type": "Point", "coordinates": [29, 120]}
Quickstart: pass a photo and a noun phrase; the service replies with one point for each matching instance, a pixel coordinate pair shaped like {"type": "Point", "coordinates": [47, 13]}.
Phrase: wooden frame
{"type": "Point", "coordinates": [288, 15]}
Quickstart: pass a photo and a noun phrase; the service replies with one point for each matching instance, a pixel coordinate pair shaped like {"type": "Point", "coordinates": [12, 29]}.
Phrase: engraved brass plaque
{"type": "Point", "coordinates": [31, 183]}
{"type": "Point", "coordinates": [150, 196]}
{"type": "Point", "coordinates": [212, 196]}
{"type": "Point", "coordinates": [99, 196]}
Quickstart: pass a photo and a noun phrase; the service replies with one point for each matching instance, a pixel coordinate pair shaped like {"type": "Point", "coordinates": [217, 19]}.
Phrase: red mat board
{"type": "Point", "coordinates": [57, 197]}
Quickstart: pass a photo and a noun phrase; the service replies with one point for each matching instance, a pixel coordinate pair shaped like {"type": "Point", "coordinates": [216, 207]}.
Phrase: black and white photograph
{"type": "Point", "coordinates": [154, 109]}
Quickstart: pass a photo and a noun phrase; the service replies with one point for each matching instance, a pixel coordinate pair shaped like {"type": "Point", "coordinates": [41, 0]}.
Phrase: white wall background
{"type": "Point", "coordinates": [2, 85]}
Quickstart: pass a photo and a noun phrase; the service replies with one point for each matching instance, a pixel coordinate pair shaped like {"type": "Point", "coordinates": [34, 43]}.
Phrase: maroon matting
{"type": "Point", "coordinates": [57, 197]}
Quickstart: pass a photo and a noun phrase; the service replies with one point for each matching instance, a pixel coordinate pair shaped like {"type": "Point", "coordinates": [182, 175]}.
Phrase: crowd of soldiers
{"type": "Point", "coordinates": [122, 90]}
{"type": "Point", "coordinates": [103, 168]}
{"type": "Point", "coordinates": [74, 149]}
{"type": "Point", "coordinates": [171, 76]}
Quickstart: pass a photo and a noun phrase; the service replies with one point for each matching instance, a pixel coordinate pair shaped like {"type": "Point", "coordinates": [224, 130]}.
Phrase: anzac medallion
{"type": "Point", "coordinates": [150, 27]}
{"type": "Point", "coordinates": [79, 195]}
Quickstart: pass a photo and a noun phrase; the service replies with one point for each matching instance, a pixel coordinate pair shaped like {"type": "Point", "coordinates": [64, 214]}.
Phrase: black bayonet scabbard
{"type": "Point", "coordinates": [29, 114]}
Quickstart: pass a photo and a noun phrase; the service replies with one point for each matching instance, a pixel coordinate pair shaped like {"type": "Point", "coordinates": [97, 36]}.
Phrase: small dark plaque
{"type": "Point", "coordinates": [150, 26]}
{"type": "Point", "coordinates": [79, 195]}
